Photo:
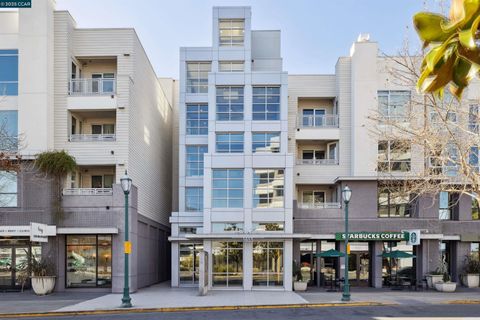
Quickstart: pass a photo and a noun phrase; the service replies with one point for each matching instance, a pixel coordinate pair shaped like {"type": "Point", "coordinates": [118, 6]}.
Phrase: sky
{"type": "Point", "coordinates": [314, 32]}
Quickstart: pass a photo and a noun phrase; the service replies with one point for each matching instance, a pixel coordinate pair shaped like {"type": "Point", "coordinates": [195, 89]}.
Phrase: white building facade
{"type": "Point", "coordinates": [235, 172]}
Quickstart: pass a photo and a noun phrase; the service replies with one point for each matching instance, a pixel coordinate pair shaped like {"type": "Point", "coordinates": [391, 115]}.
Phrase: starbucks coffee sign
{"type": "Point", "coordinates": [372, 236]}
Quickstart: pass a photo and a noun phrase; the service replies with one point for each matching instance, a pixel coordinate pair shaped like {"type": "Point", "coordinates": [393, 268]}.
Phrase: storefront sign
{"type": "Point", "coordinates": [35, 231]}
{"type": "Point", "coordinates": [372, 236]}
{"type": "Point", "coordinates": [413, 237]}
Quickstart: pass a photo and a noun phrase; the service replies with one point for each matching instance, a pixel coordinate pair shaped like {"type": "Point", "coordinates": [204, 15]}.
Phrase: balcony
{"type": "Point", "coordinates": [91, 137]}
{"type": "Point", "coordinates": [318, 121]}
{"type": "Point", "coordinates": [92, 87]}
{"type": "Point", "coordinates": [87, 191]}
{"type": "Point", "coordinates": [317, 162]}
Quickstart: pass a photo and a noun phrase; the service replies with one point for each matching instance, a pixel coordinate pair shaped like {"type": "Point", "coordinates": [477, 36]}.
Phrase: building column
{"type": "Point", "coordinates": [247, 265]}
{"type": "Point", "coordinates": [175, 266]}
{"type": "Point", "coordinates": [288, 258]}
{"type": "Point", "coordinates": [376, 249]}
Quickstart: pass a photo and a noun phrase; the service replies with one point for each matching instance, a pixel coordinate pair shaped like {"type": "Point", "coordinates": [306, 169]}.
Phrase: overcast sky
{"type": "Point", "coordinates": [314, 32]}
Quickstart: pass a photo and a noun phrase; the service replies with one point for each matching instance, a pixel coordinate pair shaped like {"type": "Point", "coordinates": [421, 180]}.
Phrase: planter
{"type": "Point", "coordinates": [471, 280]}
{"type": "Point", "coordinates": [300, 286]}
{"type": "Point", "coordinates": [446, 286]}
{"type": "Point", "coordinates": [43, 285]}
{"type": "Point", "coordinates": [432, 279]}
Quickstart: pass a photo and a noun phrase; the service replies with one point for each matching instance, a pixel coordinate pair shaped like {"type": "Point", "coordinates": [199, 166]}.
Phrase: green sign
{"type": "Point", "coordinates": [15, 4]}
{"type": "Point", "coordinates": [372, 236]}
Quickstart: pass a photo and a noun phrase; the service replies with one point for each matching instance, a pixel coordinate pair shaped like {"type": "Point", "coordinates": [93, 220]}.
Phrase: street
{"type": "Point", "coordinates": [330, 313]}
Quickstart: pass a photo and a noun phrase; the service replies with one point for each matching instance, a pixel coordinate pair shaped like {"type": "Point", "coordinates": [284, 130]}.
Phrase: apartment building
{"type": "Point", "coordinates": [235, 171]}
{"type": "Point", "coordinates": [331, 137]}
{"type": "Point", "coordinates": [93, 93]}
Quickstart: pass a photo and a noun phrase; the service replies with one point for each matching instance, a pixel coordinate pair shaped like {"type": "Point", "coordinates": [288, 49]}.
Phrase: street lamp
{"type": "Point", "coordinates": [346, 194]}
{"type": "Point", "coordinates": [126, 184]}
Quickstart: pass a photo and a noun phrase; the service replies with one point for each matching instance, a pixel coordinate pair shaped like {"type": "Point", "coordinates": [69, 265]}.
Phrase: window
{"type": "Point", "coordinates": [473, 159]}
{"type": "Point", "coordinates": [315, 118]}
{"type": "Point", "coordinates": [227, 188]}
{"type": "Point", "coordinates": [229, 142]}
{"type": "Point", "coordinates": [227, 260]}
{"type": "Point", "coordinates": [197, 119]}
{"type": "Point", "coordinates": [475, 250]}
{"type": "Point", "coordinates": [189, 263]}
{"type": "Point", "coordinates": [393, 202]}
{"type": "Point", "coordinates": [229, 103]}
{"type": "Point", "coordinates": [193, 199]}
{"type": "Point", "coordinates": [313, 199]}
{"type": "Point", "coordinates": [268, 188]}
{"type": "Point", "coordinates": [195, 160]}
{"type": "Point", "coordinates": [447, 202]}
{"type": "Point", "coordinates": [231, 66]}
{"type": "Point", "coordinates": [105, 181]}
{"type": "Point", "coordinates": [473, 118]}
{"type": "Point", "coordinates": [394, 156]}
{"type": "Point", "coordinates": [475, 209]}
{"type": "Point", "coordinates": [8, 130]}
{"type": "Point", "coordinates": [266, 103]}
{"type": "Point", "coordinates": [267, 226]}
{"type": "Point", "coordinates": [189, 230]}
{"type": "Point", "coordinates": [267, 263]}
{"type": "Point", "coordinates": [103, 82]}
{"type": "Point", "coordinates": [8, 72]}
{"type": "Point", "coordinates": [89, 261]}
{"type": "Point", "coordinates": [108, 128]}
{"type": "Point", "coordinates": [394, 105]}
{"type": "Point", "coordinates": [197, 77]}
{"type": "Point", "coordinates": [227, 227]}
{"type": "Point", "coordinates": [266, 142]}
{"type": "Point", "coordinates": [231, 32]}
{"type": "Point", "coordinates": [8, 189]}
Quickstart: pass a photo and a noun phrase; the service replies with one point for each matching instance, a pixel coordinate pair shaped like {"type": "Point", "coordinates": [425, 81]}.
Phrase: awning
{"type": "Point", "coordinates": [397, 255]}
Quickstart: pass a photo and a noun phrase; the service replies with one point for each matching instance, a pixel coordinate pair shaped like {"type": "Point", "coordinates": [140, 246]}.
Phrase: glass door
{"type": "Point", "coordinates": [21, 262]}
{"type": "Point", "coordinates": [6, 270]}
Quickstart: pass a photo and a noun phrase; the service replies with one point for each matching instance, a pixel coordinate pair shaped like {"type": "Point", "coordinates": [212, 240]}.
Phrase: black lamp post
{"type": "Point", "coordinates": [346, 195]}
{"type": "Point", "coordinates": [126, 183]}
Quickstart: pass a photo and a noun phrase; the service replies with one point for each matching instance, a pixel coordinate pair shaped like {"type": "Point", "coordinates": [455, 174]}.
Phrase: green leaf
{"type": "Point", "coordinates": [440, 78]}
{"type": "Point", "coordinates": [471, 9]}
{"type": "Point", "coordinates": [467, 37]}
{"type": "Point", "coordinates": [428, 26]}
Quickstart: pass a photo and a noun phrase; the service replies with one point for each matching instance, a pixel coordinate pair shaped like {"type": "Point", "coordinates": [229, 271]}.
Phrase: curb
{"type": "Point", "coordinates": [463, 302]}
{"type": "Point", "coordinates": [189, 309]}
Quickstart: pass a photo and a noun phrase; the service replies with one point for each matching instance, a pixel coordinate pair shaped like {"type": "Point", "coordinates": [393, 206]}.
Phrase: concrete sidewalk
{"type": "Point", "coordinates": [162, 296]}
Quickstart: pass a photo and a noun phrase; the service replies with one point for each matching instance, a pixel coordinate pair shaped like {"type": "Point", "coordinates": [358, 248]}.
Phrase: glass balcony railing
{"type": "Point", "coordinates": [87, 87]}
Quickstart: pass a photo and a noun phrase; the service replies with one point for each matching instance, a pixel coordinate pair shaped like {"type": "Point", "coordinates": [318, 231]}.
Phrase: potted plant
{"type": "Point", "coordinates": [471, 275]}
{"type": "Point", "coordinates": [298, 283]}
{"type": "Point", "coordinates": [445, 285]}
{"type": "Point", "coordinates": [434, 277]}
{"type": "Point", "coordinates": [42, 275]}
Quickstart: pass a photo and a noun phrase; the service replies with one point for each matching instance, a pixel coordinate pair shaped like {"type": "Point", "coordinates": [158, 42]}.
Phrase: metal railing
{"type": "Point", "coordinates": [316, 162]}
{"type": "Point", "coordinates": [87, 191]}
{"type": "Point", "coordinates": [91, 137]}
{"type": "Point", "coordinates": [319, 205]}
{"type": "Point", "coordinates": [88, 87]}
{"type": "Point", "coordinates": [318, 121]}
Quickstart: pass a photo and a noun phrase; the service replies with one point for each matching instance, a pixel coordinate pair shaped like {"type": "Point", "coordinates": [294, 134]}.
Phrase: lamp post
{"type": "Point", "coordinates": [126, 184]}
{"type": "Point", "coordinates": [346, 194]}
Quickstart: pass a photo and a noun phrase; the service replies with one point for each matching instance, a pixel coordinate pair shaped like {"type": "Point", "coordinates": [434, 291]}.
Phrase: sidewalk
{"type": "Point", "coordinates": [162, 297]}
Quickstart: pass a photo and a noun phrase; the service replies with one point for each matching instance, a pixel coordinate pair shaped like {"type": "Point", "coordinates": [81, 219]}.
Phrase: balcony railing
{"type": "Point", "coordinates": [319, 205]}
{"type": "Point", "coordinates": [91, 137]}
{"type": "Point", "coordinates": [87, 192]}
{"type": "Point", "coordinates": [89, 87]}
{"type": "Point", "coordinates": [318, 121]}
{"type": "Point", "coordinates": [318, 162]}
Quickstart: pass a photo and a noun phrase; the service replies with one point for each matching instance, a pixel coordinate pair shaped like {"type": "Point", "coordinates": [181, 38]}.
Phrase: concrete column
{"type": "Point", "coordinates": [376, 264]}
{"type": "Point", "coordinates": [288, 258]}
{"type": "Point", "coordinates": [318, 267]}
{"type": "Point", "coordinates": [175, 260]}
{"type": "Point", "coordinates": [247, 265]}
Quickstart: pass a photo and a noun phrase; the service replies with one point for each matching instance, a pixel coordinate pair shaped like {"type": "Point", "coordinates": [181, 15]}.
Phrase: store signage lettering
{"type": "Point", "coordinates": [372, 236]}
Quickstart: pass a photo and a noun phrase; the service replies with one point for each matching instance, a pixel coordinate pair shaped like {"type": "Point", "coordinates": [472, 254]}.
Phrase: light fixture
{"type": "Point", "coordinates": [346, 194]}
{"type": "Point", "coordinates": [126, 183]}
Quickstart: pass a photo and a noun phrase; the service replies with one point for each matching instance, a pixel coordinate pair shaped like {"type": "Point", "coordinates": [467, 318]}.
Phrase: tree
{"type": "Point", "coordinates": [453, 45]}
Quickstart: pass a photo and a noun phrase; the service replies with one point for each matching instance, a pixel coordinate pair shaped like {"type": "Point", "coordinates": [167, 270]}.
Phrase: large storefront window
{"type": "Point", "coordinates": [227, 264]}
{"type": "Point", "coordinates": [190, 263]}
{"type": "Point", "coordinates": [89, 261]}
{"type": "Point", "coordinates": [397, 270]}
{"type": "Point", "coordinates": [307, 260]}
{"type": "Point", "coordinates": [268, 264]}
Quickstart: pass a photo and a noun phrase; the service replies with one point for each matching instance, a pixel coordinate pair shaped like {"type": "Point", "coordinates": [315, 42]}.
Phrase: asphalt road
{"type": "Point", "coordinates": [329, 313]}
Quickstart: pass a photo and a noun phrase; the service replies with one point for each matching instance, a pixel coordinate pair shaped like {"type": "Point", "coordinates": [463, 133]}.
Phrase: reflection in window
{"type": "Point", "coordinates": [231, 32]}
{"type": "Point", "coordinates": [268, 264]}
{"type": "Point", "coordinates": [394, 156]}
{"type": "Point", "coordinates": [267, 226]}
{"type": "Point", "coordinates": [8, 72]}
{"type": "Point", "coordinates": [221, 227]}
{"type": "Point", "coordinates": [227, 188]}
{"type": "Point", "coordinates": [8, 130]}
{"type": "Point", "coordinates": [266, 103]}
{"type": "Point", "coordinates": [475, 209]}
{"type": "Point", "coordinates": [197, 119]}
{"type": "Point", "coordinates": [194, 157]}
{"type": "Point", "coordinates": [266, 142]}
{"type": "Point", "coordinates": [229, 142]}
{"type": "Point", "coordinates": [229, 101]}
{"type": "Point", "coordinates": [393, 202]}
{"type": "Point", "coordinates": [268, 188]}
{"type": "Point", "coordinates": [227, 260]}
{"type": "Point", "coordinates": [8, 189]}
{"type": "Point", "coordinates": [89, 261]}
{"type": "Point", "coordinates": [194, 199]}
{"type": "Point", "coordinates": [394, 105]}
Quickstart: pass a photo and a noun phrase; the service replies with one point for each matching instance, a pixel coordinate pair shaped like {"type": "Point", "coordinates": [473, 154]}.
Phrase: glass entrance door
{"type": "Point", "coordinates": [359, 265]}
{"type": "Point", "coordinates": [6, 270]}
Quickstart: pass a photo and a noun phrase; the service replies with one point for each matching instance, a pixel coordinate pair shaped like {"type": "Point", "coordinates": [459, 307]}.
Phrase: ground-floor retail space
{"type": "Point", "coordinates": [368, 266]}
{"type": "Point", "coordinates": [234, 263]}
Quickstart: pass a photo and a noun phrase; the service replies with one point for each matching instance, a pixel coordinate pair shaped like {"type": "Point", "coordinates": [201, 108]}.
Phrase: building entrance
{"type": "Point", "coordinates": [13, 259]}
{"type": "Point", "coordinates": [359, 265]}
